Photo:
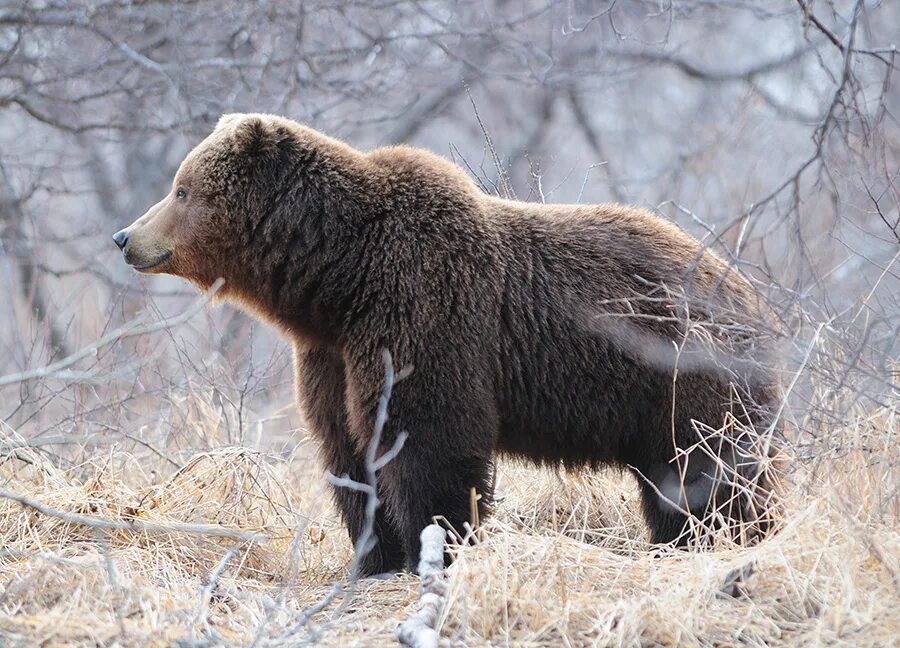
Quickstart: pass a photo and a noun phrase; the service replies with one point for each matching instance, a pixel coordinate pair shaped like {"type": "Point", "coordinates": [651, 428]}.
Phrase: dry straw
{"type": "Point", "coordinates": [564, 561]}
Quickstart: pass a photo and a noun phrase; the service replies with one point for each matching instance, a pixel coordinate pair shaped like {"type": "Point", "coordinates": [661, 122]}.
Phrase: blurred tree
{"type": "Point", "coordinates": [770, 128]}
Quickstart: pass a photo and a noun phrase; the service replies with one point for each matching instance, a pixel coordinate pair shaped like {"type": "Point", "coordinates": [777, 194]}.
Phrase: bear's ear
{"type": "Point", "coordinates": [229, 119]}
{"type": "Point", "coordinates": [251, 134]}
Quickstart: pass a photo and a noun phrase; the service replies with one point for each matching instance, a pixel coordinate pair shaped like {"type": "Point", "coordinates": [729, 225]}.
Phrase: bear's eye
{"type": "Point", "coordinates": [181, 193]}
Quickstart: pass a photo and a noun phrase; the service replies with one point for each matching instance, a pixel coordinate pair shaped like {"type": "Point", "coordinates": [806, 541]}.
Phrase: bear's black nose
{"type": "Point", "coordinates": [121, 239]}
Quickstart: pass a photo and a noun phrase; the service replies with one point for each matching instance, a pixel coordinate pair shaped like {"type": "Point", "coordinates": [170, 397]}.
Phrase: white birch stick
{"type": "Point", "coordinates": [419, 630]}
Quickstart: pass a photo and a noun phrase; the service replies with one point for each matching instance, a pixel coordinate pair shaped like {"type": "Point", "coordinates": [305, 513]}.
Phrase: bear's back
{"type": "Point", "coordinates": [596, 304]}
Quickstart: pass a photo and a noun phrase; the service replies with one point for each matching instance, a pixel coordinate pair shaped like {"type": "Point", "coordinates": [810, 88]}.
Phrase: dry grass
{"type": "Point", "coordinates": [564, 560]}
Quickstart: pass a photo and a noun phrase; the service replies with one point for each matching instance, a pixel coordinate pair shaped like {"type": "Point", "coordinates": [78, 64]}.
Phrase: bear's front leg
{"type": "Point", "coordinates": [320, 383]}
{"type": "Point", "coordinates": [387, 554]}
{"type": "Point", "coordinates": [421, 484]}
{"type": "Point", "coordinates": [447, 412]}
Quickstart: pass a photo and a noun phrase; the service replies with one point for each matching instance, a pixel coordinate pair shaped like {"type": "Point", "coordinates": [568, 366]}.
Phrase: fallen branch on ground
{"type": "Point", "coordinates": [136, 526]}
{"type": "Point", "coordinates": [419, 630]}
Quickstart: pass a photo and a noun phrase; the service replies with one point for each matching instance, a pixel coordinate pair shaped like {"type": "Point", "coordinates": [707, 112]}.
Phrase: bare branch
{"type": "Point", "coordinates": [419, 629]}
{"type": "Point", "coordinates": [133, 526]}
{"type": "Point", "coordinates": [58, 369]}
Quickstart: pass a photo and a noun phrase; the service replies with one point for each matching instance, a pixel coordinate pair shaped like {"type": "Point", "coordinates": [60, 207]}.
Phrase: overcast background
{"type": "Point", "coordinates": [767, 129]}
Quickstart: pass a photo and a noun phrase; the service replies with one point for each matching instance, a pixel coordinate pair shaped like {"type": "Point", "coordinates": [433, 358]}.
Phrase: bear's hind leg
{"type": "Point", "coordinates": [667, 524]}
{"type": "Point", "coordinates": [677, 498]}
{"type": "Point", "coordinates": [687, 503]}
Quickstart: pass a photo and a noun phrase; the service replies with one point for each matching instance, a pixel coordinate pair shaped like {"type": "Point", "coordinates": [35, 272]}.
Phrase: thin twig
{"type": "Point", "coordinates": [57, 369]}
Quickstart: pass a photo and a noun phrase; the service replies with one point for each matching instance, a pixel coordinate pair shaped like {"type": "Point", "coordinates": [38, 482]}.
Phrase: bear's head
{"type": "Point", "coordinates": [222, 192]}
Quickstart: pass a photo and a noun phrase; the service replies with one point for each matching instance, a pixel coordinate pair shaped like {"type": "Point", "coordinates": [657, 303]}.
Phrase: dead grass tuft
{"type": "Point", "coordinates": [564, 560]}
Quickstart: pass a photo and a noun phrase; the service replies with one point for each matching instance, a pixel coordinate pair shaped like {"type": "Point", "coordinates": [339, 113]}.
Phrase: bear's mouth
{"type": "Point", "coordinates": [152, 264]}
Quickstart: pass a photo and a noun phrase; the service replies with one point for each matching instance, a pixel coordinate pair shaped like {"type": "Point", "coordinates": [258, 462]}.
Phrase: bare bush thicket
{"type": "Point", "coordinates": [769, 130]}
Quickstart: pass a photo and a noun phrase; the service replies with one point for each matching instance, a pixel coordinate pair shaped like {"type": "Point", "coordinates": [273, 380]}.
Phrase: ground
{"type": "Point", "coordinates": [563, 562]}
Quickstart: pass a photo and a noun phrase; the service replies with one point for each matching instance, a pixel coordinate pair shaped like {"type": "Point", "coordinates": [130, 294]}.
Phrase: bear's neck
{"type": "Point", "coordinates": [301, 269]}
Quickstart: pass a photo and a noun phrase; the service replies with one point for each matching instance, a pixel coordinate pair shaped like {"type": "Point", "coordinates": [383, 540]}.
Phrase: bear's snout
{"type": "Point", "coordinates": [142, 250]}
{"type": "Point", "coordinates": [121, 238]}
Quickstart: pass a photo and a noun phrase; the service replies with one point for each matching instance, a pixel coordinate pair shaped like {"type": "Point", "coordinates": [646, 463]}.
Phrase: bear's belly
{"type": "Point", "coordinates": [576, 424]}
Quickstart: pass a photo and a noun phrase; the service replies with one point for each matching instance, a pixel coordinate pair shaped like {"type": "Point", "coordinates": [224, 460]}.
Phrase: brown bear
{"type": "Point", "coordinates": [568, 335]}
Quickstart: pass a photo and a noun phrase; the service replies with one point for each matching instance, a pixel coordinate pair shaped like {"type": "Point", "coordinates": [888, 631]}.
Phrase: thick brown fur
{"type": "Point", "coordinates": [568, 335]}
